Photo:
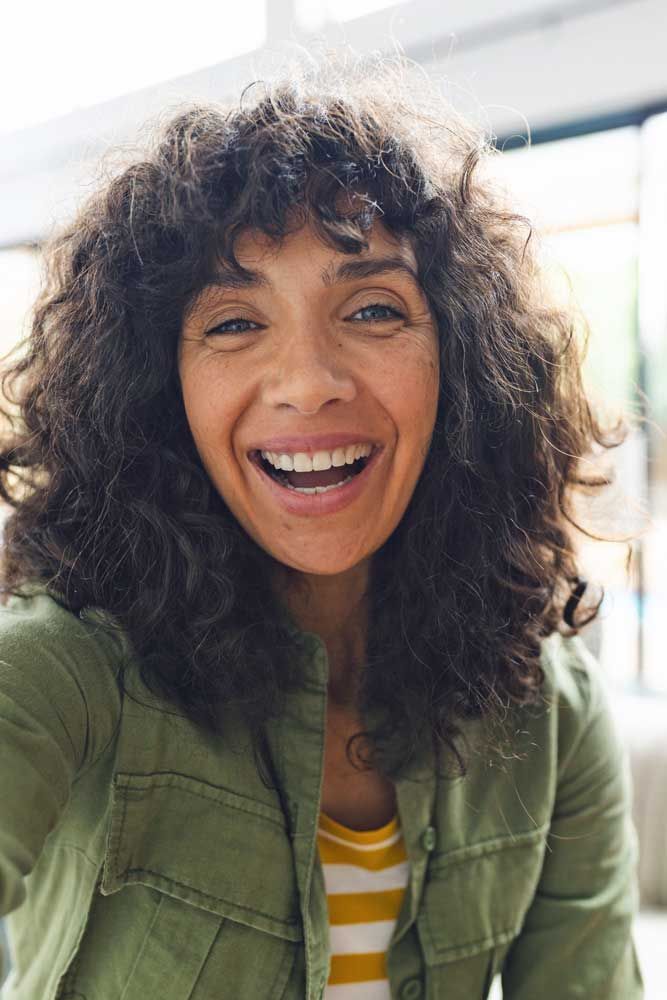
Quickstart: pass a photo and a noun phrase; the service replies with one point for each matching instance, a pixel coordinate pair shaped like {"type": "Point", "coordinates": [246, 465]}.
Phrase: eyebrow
{"type": "Point", "coordinates": [349, 270]}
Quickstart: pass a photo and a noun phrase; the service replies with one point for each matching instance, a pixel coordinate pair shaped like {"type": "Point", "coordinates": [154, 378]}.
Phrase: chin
{"type": "Point", "coordinates": [321, 566]}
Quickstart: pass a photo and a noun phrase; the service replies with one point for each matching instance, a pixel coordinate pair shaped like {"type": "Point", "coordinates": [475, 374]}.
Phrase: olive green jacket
{"type": "Point", "coordinates": [141, 859]}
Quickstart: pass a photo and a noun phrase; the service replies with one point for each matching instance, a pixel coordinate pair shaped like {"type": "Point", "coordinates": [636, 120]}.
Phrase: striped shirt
{"type": "Point", "coordinates": [365, 877]}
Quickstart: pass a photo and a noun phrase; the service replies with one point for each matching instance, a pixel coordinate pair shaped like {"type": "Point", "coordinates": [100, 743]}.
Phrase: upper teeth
{"type": "Point", "coordinates": [300, 462]}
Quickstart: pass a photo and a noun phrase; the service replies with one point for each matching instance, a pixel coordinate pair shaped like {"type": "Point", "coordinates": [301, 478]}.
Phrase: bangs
{"type": "Point", "coordinates": [341, 212]}
{"type": "Point", "coordinates": [341, 177]}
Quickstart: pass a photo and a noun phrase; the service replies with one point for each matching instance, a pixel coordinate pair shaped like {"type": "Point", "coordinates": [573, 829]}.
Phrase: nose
{"type": "Point", "coordinates": [309, 372]}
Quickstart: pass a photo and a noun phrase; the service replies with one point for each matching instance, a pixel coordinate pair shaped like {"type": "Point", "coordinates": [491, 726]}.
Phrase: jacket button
{"type": "Point", "coordinates": [428, 838]}
{"type": "Point", "coordinates": [411, 989]}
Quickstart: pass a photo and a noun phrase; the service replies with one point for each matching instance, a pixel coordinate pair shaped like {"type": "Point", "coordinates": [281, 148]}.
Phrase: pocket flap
{"type": "Point", "coordinates": [476, 898]}
{"type": "Point", "coordinates": [205, 845]}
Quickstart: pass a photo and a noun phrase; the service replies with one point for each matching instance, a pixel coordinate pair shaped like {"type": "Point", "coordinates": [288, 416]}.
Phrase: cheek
{"type": "Point", "coordinates": [196, 406]}
{"type": "Point", "coordinates": [430, 374]}
{"type": "Point", "coordinates": [205, 411]}
{"type": "Point", "coordinates": [414, 386]}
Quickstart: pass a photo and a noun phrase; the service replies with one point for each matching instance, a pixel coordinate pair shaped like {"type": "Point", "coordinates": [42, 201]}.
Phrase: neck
{"type": "Point", "coordinates": [336, 609]}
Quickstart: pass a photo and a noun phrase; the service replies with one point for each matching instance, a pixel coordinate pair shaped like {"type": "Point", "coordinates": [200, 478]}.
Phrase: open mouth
{"type": "Point", "coordinates": [321, 481]}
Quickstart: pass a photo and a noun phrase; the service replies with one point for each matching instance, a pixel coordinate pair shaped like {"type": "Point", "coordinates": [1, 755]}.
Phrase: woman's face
{"type": "Point", "coordinates": [320, 344]}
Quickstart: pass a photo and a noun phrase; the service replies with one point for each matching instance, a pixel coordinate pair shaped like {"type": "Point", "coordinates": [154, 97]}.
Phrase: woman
{"type": "Point", "coordinates": [291, 701]}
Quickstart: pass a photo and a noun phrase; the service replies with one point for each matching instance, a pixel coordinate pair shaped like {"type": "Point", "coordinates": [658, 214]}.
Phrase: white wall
{"type": "Point", "coordinates": [602, 61]}
{"type": "Point", "coordinates": [547, 61]}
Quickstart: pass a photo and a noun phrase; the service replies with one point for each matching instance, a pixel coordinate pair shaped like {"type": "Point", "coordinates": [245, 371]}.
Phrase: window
{"type": "Point", "coordinates": [101, 56]}
{"type": "Point", "coordinates": [600, 206]}
{"type": "Point", "coordinates": [19, 284]}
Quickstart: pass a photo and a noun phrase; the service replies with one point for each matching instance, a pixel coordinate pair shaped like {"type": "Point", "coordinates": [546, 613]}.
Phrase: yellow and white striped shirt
{"type": "Point", "coordinates": [365, 877]}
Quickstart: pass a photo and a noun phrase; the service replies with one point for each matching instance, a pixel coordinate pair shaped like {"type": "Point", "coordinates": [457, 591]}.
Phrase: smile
{"type": "Point", "coordinates": [307, 475]}
{"type": "Point", "coordinates": [317, 492]}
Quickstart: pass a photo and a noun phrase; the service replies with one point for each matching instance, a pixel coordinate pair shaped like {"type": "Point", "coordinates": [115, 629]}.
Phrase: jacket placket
{"type": "Point", "coordinates": [296, 744]}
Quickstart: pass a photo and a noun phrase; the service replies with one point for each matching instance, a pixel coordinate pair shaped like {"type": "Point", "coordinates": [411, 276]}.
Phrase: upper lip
{"type": "Point", "coordinates": [291, 444]}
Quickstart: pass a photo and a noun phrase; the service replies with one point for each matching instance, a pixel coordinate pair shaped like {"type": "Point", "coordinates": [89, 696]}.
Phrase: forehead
{"type": "Point", "coordinates": [256, 250]}
{"type": "Point", "coordinates": [263, 262]}
{"type": "Point", "coordinates": [266, 262]}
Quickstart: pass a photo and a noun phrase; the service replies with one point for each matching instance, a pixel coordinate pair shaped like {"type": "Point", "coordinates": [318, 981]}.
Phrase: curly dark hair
{"type": "Point", "coordinates": [112, 506]}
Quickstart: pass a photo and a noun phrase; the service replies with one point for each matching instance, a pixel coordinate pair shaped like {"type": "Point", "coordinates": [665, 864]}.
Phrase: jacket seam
{"type": "Point", "coordinates": [82, 771]}
{"type": "Point", "coordinates": [130, 873]}
{"type": "Point", "coordinates": [580, 670]}
{"type": "Point", "coordinates": [249, 809]}
{"type": "Point", "coordinates": [527, 838]}
{"type": "Point", "coordinates": [70, 845]}
{"type": "Point", "coordinates": [471, 947]}
{"type": "Point", "coordinates": [142, 949]}
{"type": "Point", "coordinates": [119, 839]}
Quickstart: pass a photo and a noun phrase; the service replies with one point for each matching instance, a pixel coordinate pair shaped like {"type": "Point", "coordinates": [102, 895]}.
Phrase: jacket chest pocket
{"type": "Point", "coordinates": [474, 903]}
{"type": "Point", "coordinates": [206, 878]}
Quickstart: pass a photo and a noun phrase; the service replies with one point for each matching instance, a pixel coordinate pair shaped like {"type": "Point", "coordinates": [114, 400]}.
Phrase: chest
{"type": "Point", "coordinates": [201, 885]}
{"type": "Point", "coordinates": [361, 799]}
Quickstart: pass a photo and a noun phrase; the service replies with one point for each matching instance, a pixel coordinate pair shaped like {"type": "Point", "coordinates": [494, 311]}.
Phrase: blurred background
{"type": "Point", "coordinates": [573, 94]}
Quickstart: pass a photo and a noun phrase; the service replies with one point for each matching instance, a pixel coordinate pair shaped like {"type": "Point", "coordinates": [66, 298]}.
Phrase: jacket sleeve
{"type": "Point", "coordinates": [59, 703]}
{"type": "Point", "coordinates": [576, 940]}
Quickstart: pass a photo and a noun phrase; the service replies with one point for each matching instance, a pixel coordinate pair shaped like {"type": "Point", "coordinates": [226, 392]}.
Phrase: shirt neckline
{"type": "Point", "coordinates": [377, 835]}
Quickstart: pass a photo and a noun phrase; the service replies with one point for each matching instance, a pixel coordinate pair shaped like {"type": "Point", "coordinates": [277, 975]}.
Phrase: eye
{"type": "Point", "coordinates": [377, 312]}
{"type": "Point", "coordinates": [227, 326]}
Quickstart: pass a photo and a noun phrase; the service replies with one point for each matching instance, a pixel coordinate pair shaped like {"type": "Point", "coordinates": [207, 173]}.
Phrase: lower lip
{"type": "Point", "coordinates": [314, 504]}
